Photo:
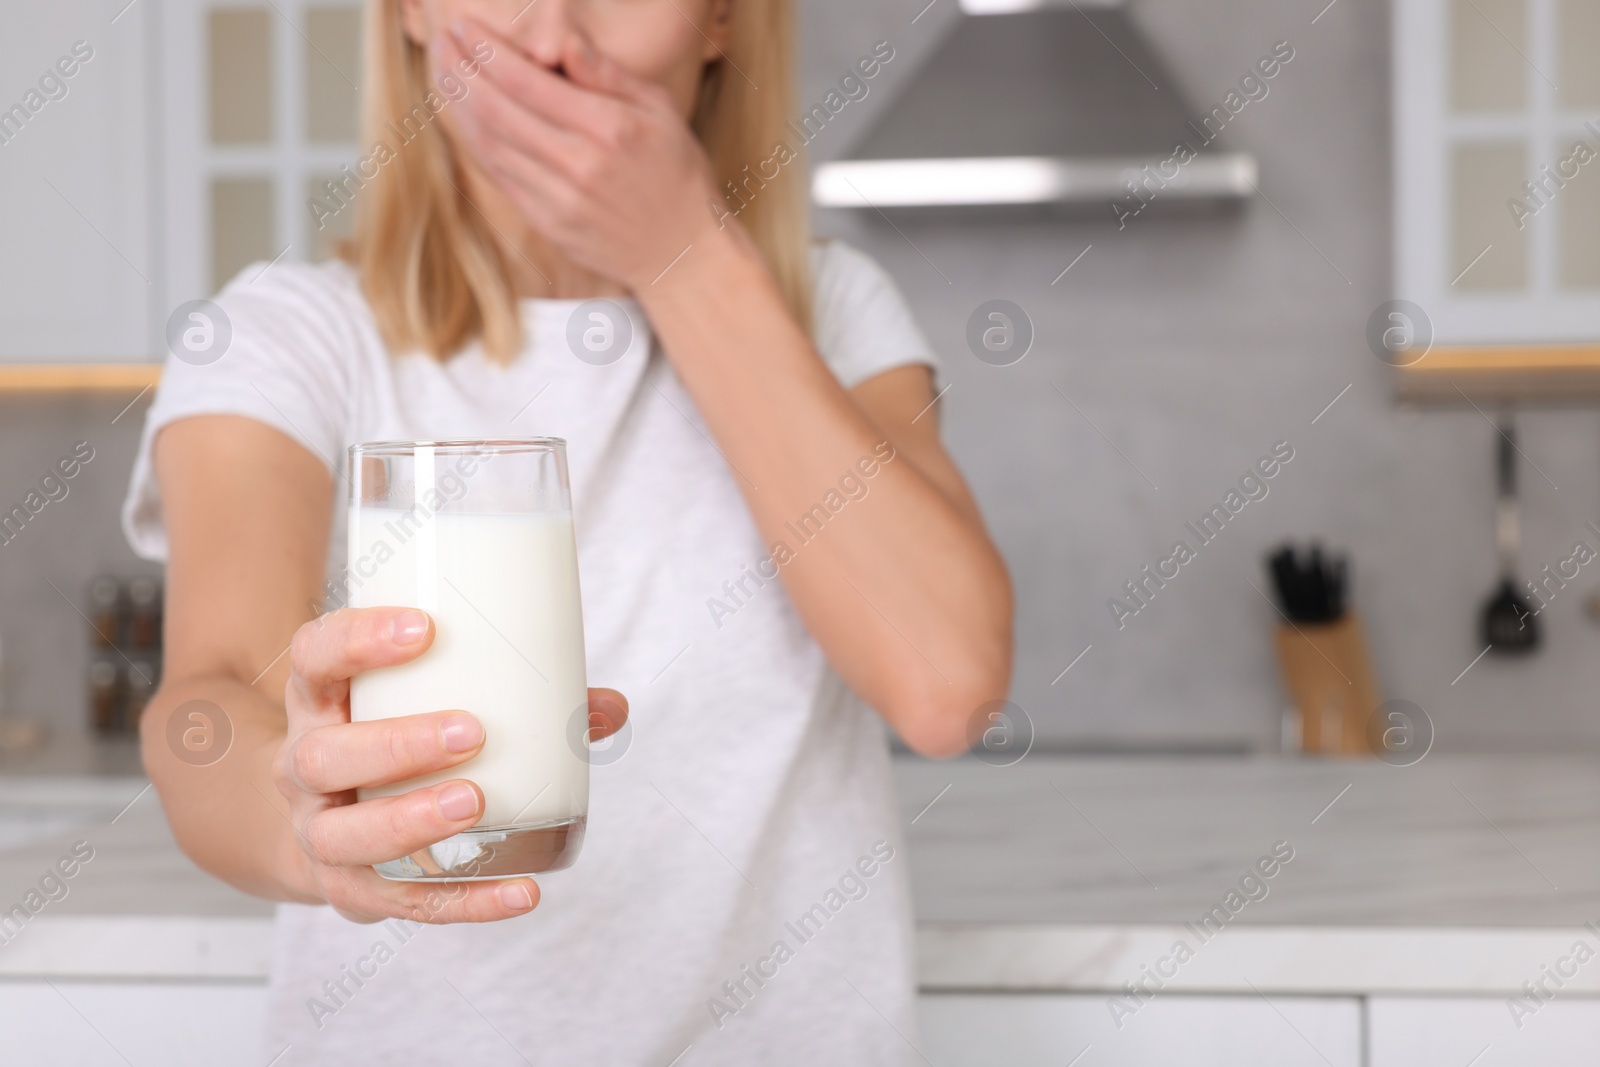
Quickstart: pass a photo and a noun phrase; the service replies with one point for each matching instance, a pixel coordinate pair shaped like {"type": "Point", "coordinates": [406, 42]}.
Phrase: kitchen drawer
{"type": "Point", "coordinates": [1454, 1031]}
{"type": "Point", "coordinates": [114, 1024]}
{"type": "Point", "coordinates": [1021, 1030]}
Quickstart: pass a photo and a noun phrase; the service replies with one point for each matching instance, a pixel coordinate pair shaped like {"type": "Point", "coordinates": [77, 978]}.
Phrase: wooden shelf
{"type": "Point", "coordinates": [78, 377]}
{"type": "Point", "coordinates": [1532, 374]}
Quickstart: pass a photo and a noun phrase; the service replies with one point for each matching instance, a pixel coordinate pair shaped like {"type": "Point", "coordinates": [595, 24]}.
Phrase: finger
{"type": "Point", "coordinates": [364, 895]}
{"type": "Point", "coordinates": [329, 650]}
{"type": "Point", "coordinates": [496, 117]}
{"type": "Point", "coordinates": [546, 199]}
{"type": "Point", "coordinates": [551, 202]}
{"type": "Point", "coordinates": [557, 99]}
{"type": "Point", "coordinates": [608, 710]}
{"type": "Point", "coordinates": [506, 116]}
{"type": "Point", "coordinates": [385, 828]}
{"type": "Point", "coordinates": [349, 755]}
{"type": "Point", "coordinates": [526, 153]}
{"type": "Point", "coordinates": [589, 69]}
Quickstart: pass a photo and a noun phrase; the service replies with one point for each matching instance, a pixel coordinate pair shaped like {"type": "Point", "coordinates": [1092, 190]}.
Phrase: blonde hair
{"type": "Point", "coordinates": [430, 265]}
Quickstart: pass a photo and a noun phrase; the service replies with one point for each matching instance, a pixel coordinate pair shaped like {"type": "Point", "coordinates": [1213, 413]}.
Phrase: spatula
{"type": "Point", "coordinates": [1509, 624]}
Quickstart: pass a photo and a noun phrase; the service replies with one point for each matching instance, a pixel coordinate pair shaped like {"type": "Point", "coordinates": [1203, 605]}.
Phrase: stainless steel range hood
{"type": "Point", "coordinates": [1034, 102]}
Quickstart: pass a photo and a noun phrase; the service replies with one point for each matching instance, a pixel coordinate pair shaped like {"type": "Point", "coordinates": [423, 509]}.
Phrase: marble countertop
{"type": "Point", "coordinates": [1458, 875]}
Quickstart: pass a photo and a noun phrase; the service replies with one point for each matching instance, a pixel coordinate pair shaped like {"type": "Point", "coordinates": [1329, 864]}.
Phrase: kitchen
{"type": "Point", "coordinates": [1146, 759]}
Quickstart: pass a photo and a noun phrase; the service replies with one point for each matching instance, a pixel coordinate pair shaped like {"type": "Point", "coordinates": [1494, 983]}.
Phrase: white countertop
{"type": "Point", "coordinates": [1459, 875]}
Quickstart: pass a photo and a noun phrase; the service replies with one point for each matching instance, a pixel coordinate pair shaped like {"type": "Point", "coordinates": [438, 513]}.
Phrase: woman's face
{"type": "Point", "coordinates": [668, 42]}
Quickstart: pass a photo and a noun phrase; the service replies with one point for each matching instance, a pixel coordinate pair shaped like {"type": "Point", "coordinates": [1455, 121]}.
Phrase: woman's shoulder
{"type": "Point", "coordinates": [861, 320]}
{"type": "Point", "coordinates": [277, 336]}
{"type": "Point", "coordinates": [293, 312]}
{"type": "Point", "coordinates": [328, 287]}
{"type": "Point", "coordinates": [838, 267]}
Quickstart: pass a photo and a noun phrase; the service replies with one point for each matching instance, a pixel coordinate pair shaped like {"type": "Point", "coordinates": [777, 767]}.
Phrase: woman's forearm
{"type": "Point", "coordinates": [227, 815]}
{"type": "Point", "coordinates": [903, 589]}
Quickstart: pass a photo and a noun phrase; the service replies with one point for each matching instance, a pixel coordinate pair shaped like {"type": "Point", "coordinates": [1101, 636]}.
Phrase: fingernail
{"type": "Point", "coordinates": [409, 627]}
{"type": "Point", "coordinates": [457, 802]}
{"type": "Point", "coordinates": [461, 733]}
{"type": "Point", "coordinates": [458, 29]}
{"type": "Point", "coordinates": [515, 895]}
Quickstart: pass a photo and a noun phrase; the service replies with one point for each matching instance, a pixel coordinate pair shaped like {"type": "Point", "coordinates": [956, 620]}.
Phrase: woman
{"type": "Point", "coordinates": [741, 897]}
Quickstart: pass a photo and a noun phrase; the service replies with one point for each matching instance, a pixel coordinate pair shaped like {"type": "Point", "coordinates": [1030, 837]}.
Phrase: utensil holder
{"type": "Point", "coordinates": [1329, 678]}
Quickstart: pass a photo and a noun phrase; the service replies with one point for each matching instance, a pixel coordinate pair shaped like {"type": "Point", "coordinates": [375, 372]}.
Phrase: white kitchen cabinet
{"type": "Point", "coordinates": [259, 109]}
{"type": "Point", "coordinates": [111, 1023]}
{"type": "Point", "coordinates": [1453, 1032]}
{"type": "Point", "coordinates": [1054, 1030]}
{"type": "Point", "coordinates": [1497, 168]}
{"type": "Point", "coordinates": [78, 273]}
{"type": "Point", "coordinates": [189, 142]}
{"type": "Point", "coordinates": [114, 1024]}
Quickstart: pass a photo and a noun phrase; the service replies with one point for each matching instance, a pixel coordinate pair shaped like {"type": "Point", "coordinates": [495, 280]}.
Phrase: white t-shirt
{"type": "Point", "coordinates": [742, 889]}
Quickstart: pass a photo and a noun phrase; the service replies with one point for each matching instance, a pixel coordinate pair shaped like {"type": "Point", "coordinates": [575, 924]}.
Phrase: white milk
{"type": "Point", "coordinates": [508, 647]}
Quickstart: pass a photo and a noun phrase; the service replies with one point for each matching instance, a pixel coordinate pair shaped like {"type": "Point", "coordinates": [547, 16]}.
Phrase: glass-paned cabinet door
{"type": "Point", "coordinates": [261, 109]}
{"type": "Point", "coordinates": [1497, 167]}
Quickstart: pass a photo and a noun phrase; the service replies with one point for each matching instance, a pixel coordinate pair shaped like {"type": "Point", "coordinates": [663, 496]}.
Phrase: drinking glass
{"type": "Point", "coordinates": [479, 535]}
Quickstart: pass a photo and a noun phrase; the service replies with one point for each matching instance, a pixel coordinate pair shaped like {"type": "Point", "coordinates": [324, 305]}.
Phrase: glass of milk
{"type": "Point", "coordinates": [479, 535]}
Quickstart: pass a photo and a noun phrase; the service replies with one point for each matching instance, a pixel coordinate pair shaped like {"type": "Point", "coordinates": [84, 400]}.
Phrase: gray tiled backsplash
{"type": "Point", "coordinates": [71, 539]}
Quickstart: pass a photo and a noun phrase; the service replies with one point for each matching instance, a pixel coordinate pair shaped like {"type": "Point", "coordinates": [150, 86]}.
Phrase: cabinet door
{"type": "Point", "coordinates": [77, 276]}
{"type": "Point", "coordinates": [259, 112]}
{"type": "Point", "coordinates": [1497, 168]}
{"type": "Point", "coordinates": [1053, 1030]}
{"type": "Point", "coordinates": [1452, 1032]}
{"type": "Point", "coordinates": [113, 1024]}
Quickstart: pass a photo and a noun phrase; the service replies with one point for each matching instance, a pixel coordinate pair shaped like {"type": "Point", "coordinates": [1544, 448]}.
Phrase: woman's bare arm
{"type": "Point", "coordinates": [904, 589]}
{"type": "Point", "coordinates": [247, 516]}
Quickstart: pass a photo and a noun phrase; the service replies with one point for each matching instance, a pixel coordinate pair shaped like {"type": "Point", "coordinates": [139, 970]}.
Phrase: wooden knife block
{"type": "Point", "coordinates": [1329, 677]}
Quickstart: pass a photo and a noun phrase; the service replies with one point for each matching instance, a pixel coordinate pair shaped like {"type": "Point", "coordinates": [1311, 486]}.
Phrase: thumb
{"type": "Point", "coordinates": [608, 710]}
